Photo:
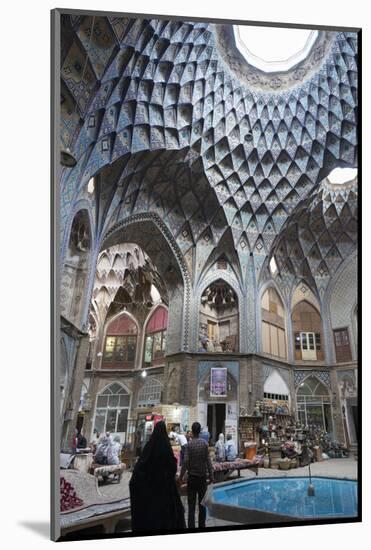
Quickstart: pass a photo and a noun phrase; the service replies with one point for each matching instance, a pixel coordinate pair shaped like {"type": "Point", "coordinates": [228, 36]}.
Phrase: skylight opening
{"type": "Point", "coordinates": [273, 49]}
{"type": "Point", "coordinates": [338, 176]}
{"type": "Point", "coordinates": [273, 266]}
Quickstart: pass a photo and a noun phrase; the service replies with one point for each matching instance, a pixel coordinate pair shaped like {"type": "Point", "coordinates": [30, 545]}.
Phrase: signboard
{"type": "Point", "coordinates": [218, 382]}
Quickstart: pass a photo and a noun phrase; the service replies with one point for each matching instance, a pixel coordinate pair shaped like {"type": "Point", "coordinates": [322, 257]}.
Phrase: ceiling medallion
{"type": "Point", "coordinates": [308, 61]}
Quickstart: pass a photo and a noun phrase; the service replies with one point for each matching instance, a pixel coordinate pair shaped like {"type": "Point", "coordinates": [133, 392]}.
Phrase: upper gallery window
{"type": "Point", "coordinates": [120, 344]}
{"type": "Point", "coordinates": [342, 345]}
{"type": "Point", "coordinates": [273, 49]}
{"type": "Point", "coordinates": [307, 330]}
{"type": "Point", "coordinates": [219, 319]}
{"type": "Point", "coordinates": [155, 340]}
{"type": "Point", "coordinates": [273, 324]}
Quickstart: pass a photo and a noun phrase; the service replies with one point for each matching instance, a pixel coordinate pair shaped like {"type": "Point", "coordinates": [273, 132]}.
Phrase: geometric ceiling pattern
{"type": "Point", "coordinates": [319, 236]}
{"type": "Point", "coordinates": [157, 105]}
{"type": "Point", "coordinates": [124, 277]}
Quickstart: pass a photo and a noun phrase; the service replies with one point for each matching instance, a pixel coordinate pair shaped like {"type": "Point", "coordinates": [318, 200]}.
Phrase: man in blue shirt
{"type": "Point", "coordinates": [205, 434]}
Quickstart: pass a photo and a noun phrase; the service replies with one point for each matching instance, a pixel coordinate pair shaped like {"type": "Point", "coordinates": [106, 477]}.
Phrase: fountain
{"type": "Point", "coordinates": [278, 499]}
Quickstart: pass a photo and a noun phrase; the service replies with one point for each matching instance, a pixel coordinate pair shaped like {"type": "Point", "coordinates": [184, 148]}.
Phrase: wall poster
{"type": "Point", "coordinates": [218, 382]}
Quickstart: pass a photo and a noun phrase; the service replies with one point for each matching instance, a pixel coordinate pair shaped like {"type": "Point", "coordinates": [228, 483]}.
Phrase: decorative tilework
{"type": "Point", "coordinates": [300, 375]}
{"type": "Point", "coordinates": [220, 161]}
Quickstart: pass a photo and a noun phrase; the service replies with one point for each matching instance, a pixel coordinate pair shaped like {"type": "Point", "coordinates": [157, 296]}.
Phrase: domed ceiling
{"type": "Point", "coordinates": [224, 153]}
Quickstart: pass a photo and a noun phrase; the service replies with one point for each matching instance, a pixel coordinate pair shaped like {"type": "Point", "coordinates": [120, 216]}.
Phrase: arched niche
{"type": "Point", "coordinates": [302, 292]}
{"type": "Point", "coordinates": [76, 268]}
{"type": "Point", "coordinates": [154, 238]}
{"type": "Point", "coordinates": [307, 332]}
{"type": "Point", "coordinates": [219, 318]}
{"type": "Point", "coordinates": [155, 330]}
{"type": "Point", "coordinates": [313, 404]}
{"type": "Point", "coordinates": [273, 318]}
{"type": "Point", "coordinates": [276, 391]}
{"type": "Point", "coordinates": [120, 343]}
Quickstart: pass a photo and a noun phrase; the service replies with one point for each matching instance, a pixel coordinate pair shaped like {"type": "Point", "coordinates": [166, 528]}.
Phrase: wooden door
{"type": "Point", "coordinates": [342, 346]}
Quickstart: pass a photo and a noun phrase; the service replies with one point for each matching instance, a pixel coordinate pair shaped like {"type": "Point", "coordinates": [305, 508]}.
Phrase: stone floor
{"type": "Point", "coordinates": [344, 468]}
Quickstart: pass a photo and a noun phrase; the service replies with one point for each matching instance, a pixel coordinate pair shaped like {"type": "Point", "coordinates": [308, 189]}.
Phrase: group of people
{"type": "Point", "coordinates": [154, 485]}
{"type": "Point", "coordinates": [225, 450]}
{"type": "Point", "coordinates": [108, 450]}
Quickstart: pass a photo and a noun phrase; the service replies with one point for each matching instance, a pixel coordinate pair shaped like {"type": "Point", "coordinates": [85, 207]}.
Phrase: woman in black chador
{"type": "Point", "coordinates": [155, 501]}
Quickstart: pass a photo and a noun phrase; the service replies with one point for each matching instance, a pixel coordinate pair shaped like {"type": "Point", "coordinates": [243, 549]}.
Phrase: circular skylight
{"type": "Point", "coordinates": [342, 175]}
{"type": "Point", "coordinates": [273, 49]}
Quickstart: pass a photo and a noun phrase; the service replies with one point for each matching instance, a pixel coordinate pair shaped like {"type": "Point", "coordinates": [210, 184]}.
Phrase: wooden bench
{"type": "Point", "coordinates": [92, 508]}
{"type": "Point", "coordinates": [222, 470]}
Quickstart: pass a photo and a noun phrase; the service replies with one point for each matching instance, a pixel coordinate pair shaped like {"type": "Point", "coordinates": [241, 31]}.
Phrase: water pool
{"type": "Point", "coordinates": [288, 497]}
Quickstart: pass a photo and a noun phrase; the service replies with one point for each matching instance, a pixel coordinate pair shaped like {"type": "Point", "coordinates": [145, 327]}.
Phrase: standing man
{"type": "Point", "coordinates": [181, 440]}
{"type": "Point", "coordinates": [198, 465]}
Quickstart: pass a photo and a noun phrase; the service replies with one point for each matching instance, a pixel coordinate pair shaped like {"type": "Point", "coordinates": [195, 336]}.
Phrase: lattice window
{"type": "Point", "coordinates": [112, 409]}
{"type": "Point", "coordinates": [150, 393]}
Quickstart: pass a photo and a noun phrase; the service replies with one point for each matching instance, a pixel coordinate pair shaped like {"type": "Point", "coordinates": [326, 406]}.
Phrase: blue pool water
{"type": "Point", "coordinates": [288, 496]}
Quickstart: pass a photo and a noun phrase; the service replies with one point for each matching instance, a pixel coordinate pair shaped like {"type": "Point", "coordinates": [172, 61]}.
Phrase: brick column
{"type": "Point", "coordinates": [256, 380]}
{"type": "Point", "coordinates": [77, 381]}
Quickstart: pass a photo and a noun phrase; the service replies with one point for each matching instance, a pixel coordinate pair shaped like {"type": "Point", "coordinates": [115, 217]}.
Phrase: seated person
{"type": "Point", "coordinates": [113, 451]}
{"type": "Point", "coordinates": [101, 455]}
{"type": "Point", "coordinates": [81, 442]}
{"type": "Point", "coordinates": [230, 449]}
{"type": "Point", "coordinates": [220, 449]}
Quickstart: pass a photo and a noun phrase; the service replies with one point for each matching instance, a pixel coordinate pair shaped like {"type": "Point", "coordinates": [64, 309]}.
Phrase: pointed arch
{"type": "Point", "coordinates": [302, 291]}
{"type": "Point", "coordinates": [233, 339]}
{"type": "Point", "coordinates": [313, 403]}
{"type": "Point", "coordinates": [155, 335]}
{"type": "Point", "coordinates": [311, 385]}
{"type": "Point", "coordinates": [76, 269]}
{"type": "Point", "coordinates": [153, 236]}
{"type": "Point", "coordinates": [112, 407]}
{"type": "Point", "coordinates": [276, 388]}
{"type": "Point", "coordinates": [308, 335]}
{"type": "Point", "coordinates": [120, 341]}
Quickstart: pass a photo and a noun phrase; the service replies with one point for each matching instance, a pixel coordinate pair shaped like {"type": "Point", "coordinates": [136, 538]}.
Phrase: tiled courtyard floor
{"type": "Point", "coordinates": [343, 468]}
